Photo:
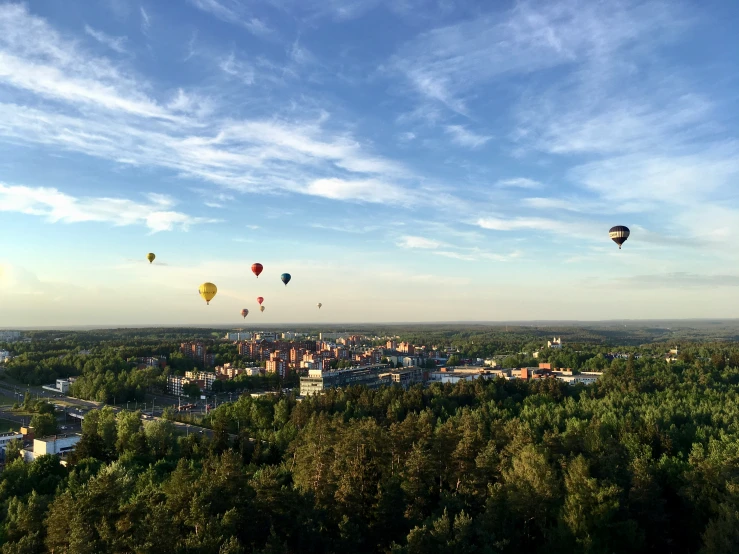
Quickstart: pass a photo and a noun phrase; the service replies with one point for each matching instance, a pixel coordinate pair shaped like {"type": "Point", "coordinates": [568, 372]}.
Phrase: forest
{"type": "Point", "coordinates": [643, 461]}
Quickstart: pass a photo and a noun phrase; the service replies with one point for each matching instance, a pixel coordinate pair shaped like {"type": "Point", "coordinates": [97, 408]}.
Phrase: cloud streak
{"type": "Point", "coordinates": [57, 207]}
{"type": "Point", "coordinates": [114, 43]}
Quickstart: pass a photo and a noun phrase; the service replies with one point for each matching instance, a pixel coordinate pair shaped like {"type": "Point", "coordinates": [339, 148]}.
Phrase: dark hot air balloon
{"type": "Point", "coordinates": [619, 234]}
{"type": "Point", "coordinates": [256, 269]}
{"type": "Point", "coordinates": [244, 312]}
{"type": "Point", "coordinates": [285, 278]}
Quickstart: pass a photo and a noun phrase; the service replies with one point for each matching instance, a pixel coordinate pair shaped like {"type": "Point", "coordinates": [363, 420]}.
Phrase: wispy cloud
{"type": "Point", "coordinates": [56, 206]}
{"type": "Point", "coordinates": [193, 135]}
{"type": "Point", "coordinates": [519, 182]}
{"type": "Point", "coordinates": [237, 68]}
{"type": "Point", "coordinates": [114, 43]}
{"type": "Point", "coordinates": [145, 20]}
{"type": "Point", "coordinates": [233, 12]}
{"type": "Point", "coordinates": [300, 54]}
{"type": "Point", "coordinates": [370, 190]}
{"type": "Point", "coordinates": [464, 137]}
{"type": "Point", "coordinates": [410, 241]}
{"type": "Point", "coordinates": [348, 228]}
{"type": "Point", "coordinates": [580, 229]}
{"type": "Point", "coordinates": [447, 63]}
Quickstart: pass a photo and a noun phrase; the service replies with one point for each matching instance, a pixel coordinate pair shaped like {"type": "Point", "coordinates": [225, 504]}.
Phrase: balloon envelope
{"type": "Point", "coordinates": [256, 269]}
{"type": "Point", "coordinates": [285, 278]}
{"type": "Point", "coordinates": [244, 312]}
{"type": "Point", "coordinates": [619, 234]}
{"type": "Point", "coordinates": [150, 256]}
{"type": "Point", "coordinates": [260, 300]}
{"type": "Point", "coordinates": [207, 291]}
{"type": "Point", "coordinates": [319, 305]}
{"type": "Point", "coordinates": [261, 308]}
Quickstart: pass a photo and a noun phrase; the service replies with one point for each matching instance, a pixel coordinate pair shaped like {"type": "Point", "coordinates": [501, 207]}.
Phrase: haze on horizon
{"type": "Point", "coordinates": [405, 161]}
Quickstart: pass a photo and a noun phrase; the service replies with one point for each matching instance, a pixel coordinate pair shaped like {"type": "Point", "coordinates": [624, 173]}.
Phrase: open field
{"type": "Point", "coordinates": [7, 425]}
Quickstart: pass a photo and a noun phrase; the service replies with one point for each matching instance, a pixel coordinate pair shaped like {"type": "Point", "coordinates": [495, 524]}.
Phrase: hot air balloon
{"type": "Point", "coordinates": [256, 269]}
{"type": "Point", "coordinates": [319, 305]}
{"type": "Point", "coordinates": [207, 291]}
{"type": "Point", "coordinates": [285, 278]}
{"type": "Point", "coordinates": [260, 300]}
{"type": "Point", "coordinates": [619, 234]}
{"type": "Point", "coordinates": [150, 256]}
{"type": "Point", "coordinates": [261, 308]}
{"type": "Point", "coordinates": [244, 312]}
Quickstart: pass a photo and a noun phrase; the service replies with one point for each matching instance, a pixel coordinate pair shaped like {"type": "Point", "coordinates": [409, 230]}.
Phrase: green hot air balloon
{"type": "Point", "coordinates": [285, 277]}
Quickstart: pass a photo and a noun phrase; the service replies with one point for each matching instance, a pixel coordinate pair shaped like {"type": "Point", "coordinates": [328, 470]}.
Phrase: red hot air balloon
{"type": "Point", "coordinates": [260, 300]}
{"type": "Point", "coordinates": [244, 312]}
{"type": "Point", "coordinates": [256, 269]}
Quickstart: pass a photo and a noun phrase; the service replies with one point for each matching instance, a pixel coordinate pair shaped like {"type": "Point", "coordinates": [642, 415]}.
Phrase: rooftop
{"type": "Point", "coordinates": [54, 438]}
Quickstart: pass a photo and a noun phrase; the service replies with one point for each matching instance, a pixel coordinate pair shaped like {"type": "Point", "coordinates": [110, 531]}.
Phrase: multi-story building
{"type": "Point", "coordinates": [277, 365]}
{"type": "Point", "coordinates": [60, 445]}
{"type": "Point", "coordinates": [207, 377]}
{"type": "Point", "coordinates": [4, 356]}
{"type": "Point", "coordinates": [406, 348]}
{"type": "Point", "coordinates": [230, 372]}
{"type": "Point", "coordinates": [6, 439]}
{"type": "Point", "coordinates": [317, 381]}
{"type": "Point", "coordinates": [269, 337]}
{"type": "Point", "coordinates": [235, 337]}
{"type": "Point", "coordinates": [175, 384]}
{"type": "Point", "coordinates": [404, 377]}
{"type": "Point", "coordinates": [198, 352]}
{"type": "Point", "coordinates": [391, 345]}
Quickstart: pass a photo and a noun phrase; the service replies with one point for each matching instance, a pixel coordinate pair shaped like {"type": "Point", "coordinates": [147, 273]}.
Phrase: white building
{"type": "Point", "coordinates": [4, 356]}
{"type": "Point", "coordinates": [235, 337]}
{"type": "Point", "coordinates": [554, 343]}
{"type": "Point", "coordinates": [6, 438]}
{"type": "Point", "coordinates": [60, 445]}
{"type": "Point", "coordinates": [62, 385]}
{"type": "Point", "coordinates": [586, 377]}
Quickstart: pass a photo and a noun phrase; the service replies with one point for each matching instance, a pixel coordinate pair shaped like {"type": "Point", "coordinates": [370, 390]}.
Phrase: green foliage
{"type": "Point", "coordinates": [44, 425]}
{"type": "Point", "coordinates": [643, 461]}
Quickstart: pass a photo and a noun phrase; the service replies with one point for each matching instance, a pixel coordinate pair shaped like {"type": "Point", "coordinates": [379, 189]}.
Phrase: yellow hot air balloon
{"type": "Point", "coordinates": [261, 308]}
{"type": "Point", "coordinates": [150, 256]}
{"type": "Point", "coordinates": [207, 291]}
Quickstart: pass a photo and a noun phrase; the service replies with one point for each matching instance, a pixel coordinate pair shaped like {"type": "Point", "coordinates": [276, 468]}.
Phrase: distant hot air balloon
{"type": "Point", "coordinates": [150, 256]}
{"type": "Point", "coordinates": [260, 300]}
{"type": "Point", "coordinates": [319, 305]}
{"type": "Point", "coordinates": [261, 308]}
{"type": "Point", "coordinates": [285, 278]}
{"type": "Point", "coordinates": [207, 291]}
{"type": "Point", "coordinates": [244, 312]}
{"type": "Point", "coordinates": [619, 234]}
{"type": "Point", "coordinates": [256, 269]}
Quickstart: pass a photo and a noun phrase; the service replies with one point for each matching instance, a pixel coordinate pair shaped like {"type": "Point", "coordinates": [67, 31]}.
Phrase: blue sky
{"type": "Point", "coordinates": [406, 160]}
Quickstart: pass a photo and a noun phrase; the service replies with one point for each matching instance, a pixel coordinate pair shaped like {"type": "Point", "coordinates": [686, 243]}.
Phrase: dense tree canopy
{"type": "Point", "coordinates": [643, 461]}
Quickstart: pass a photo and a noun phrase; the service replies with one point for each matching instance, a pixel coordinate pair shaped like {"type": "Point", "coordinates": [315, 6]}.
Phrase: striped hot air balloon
{"type": "Point", "coordinates": [619, 234]}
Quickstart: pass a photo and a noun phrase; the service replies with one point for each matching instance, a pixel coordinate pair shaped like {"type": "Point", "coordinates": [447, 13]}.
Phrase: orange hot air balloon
{"type": "Point", "coordinates": [260, 300]}
{"type": "Point", "coordinates": [244, 312]}
{"type": "Point", "coordinates": [256, 269]}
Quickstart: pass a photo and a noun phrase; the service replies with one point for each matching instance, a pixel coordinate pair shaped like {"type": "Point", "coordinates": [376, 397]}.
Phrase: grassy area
{"type": "Point", "coordinates": [7, 425]}
{"type": "Point", "coordinates": [6, 400]}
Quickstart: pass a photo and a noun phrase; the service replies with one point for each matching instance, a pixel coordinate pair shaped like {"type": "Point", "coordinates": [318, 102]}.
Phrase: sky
{"type": "Point", "coordinates": [404, 160]}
